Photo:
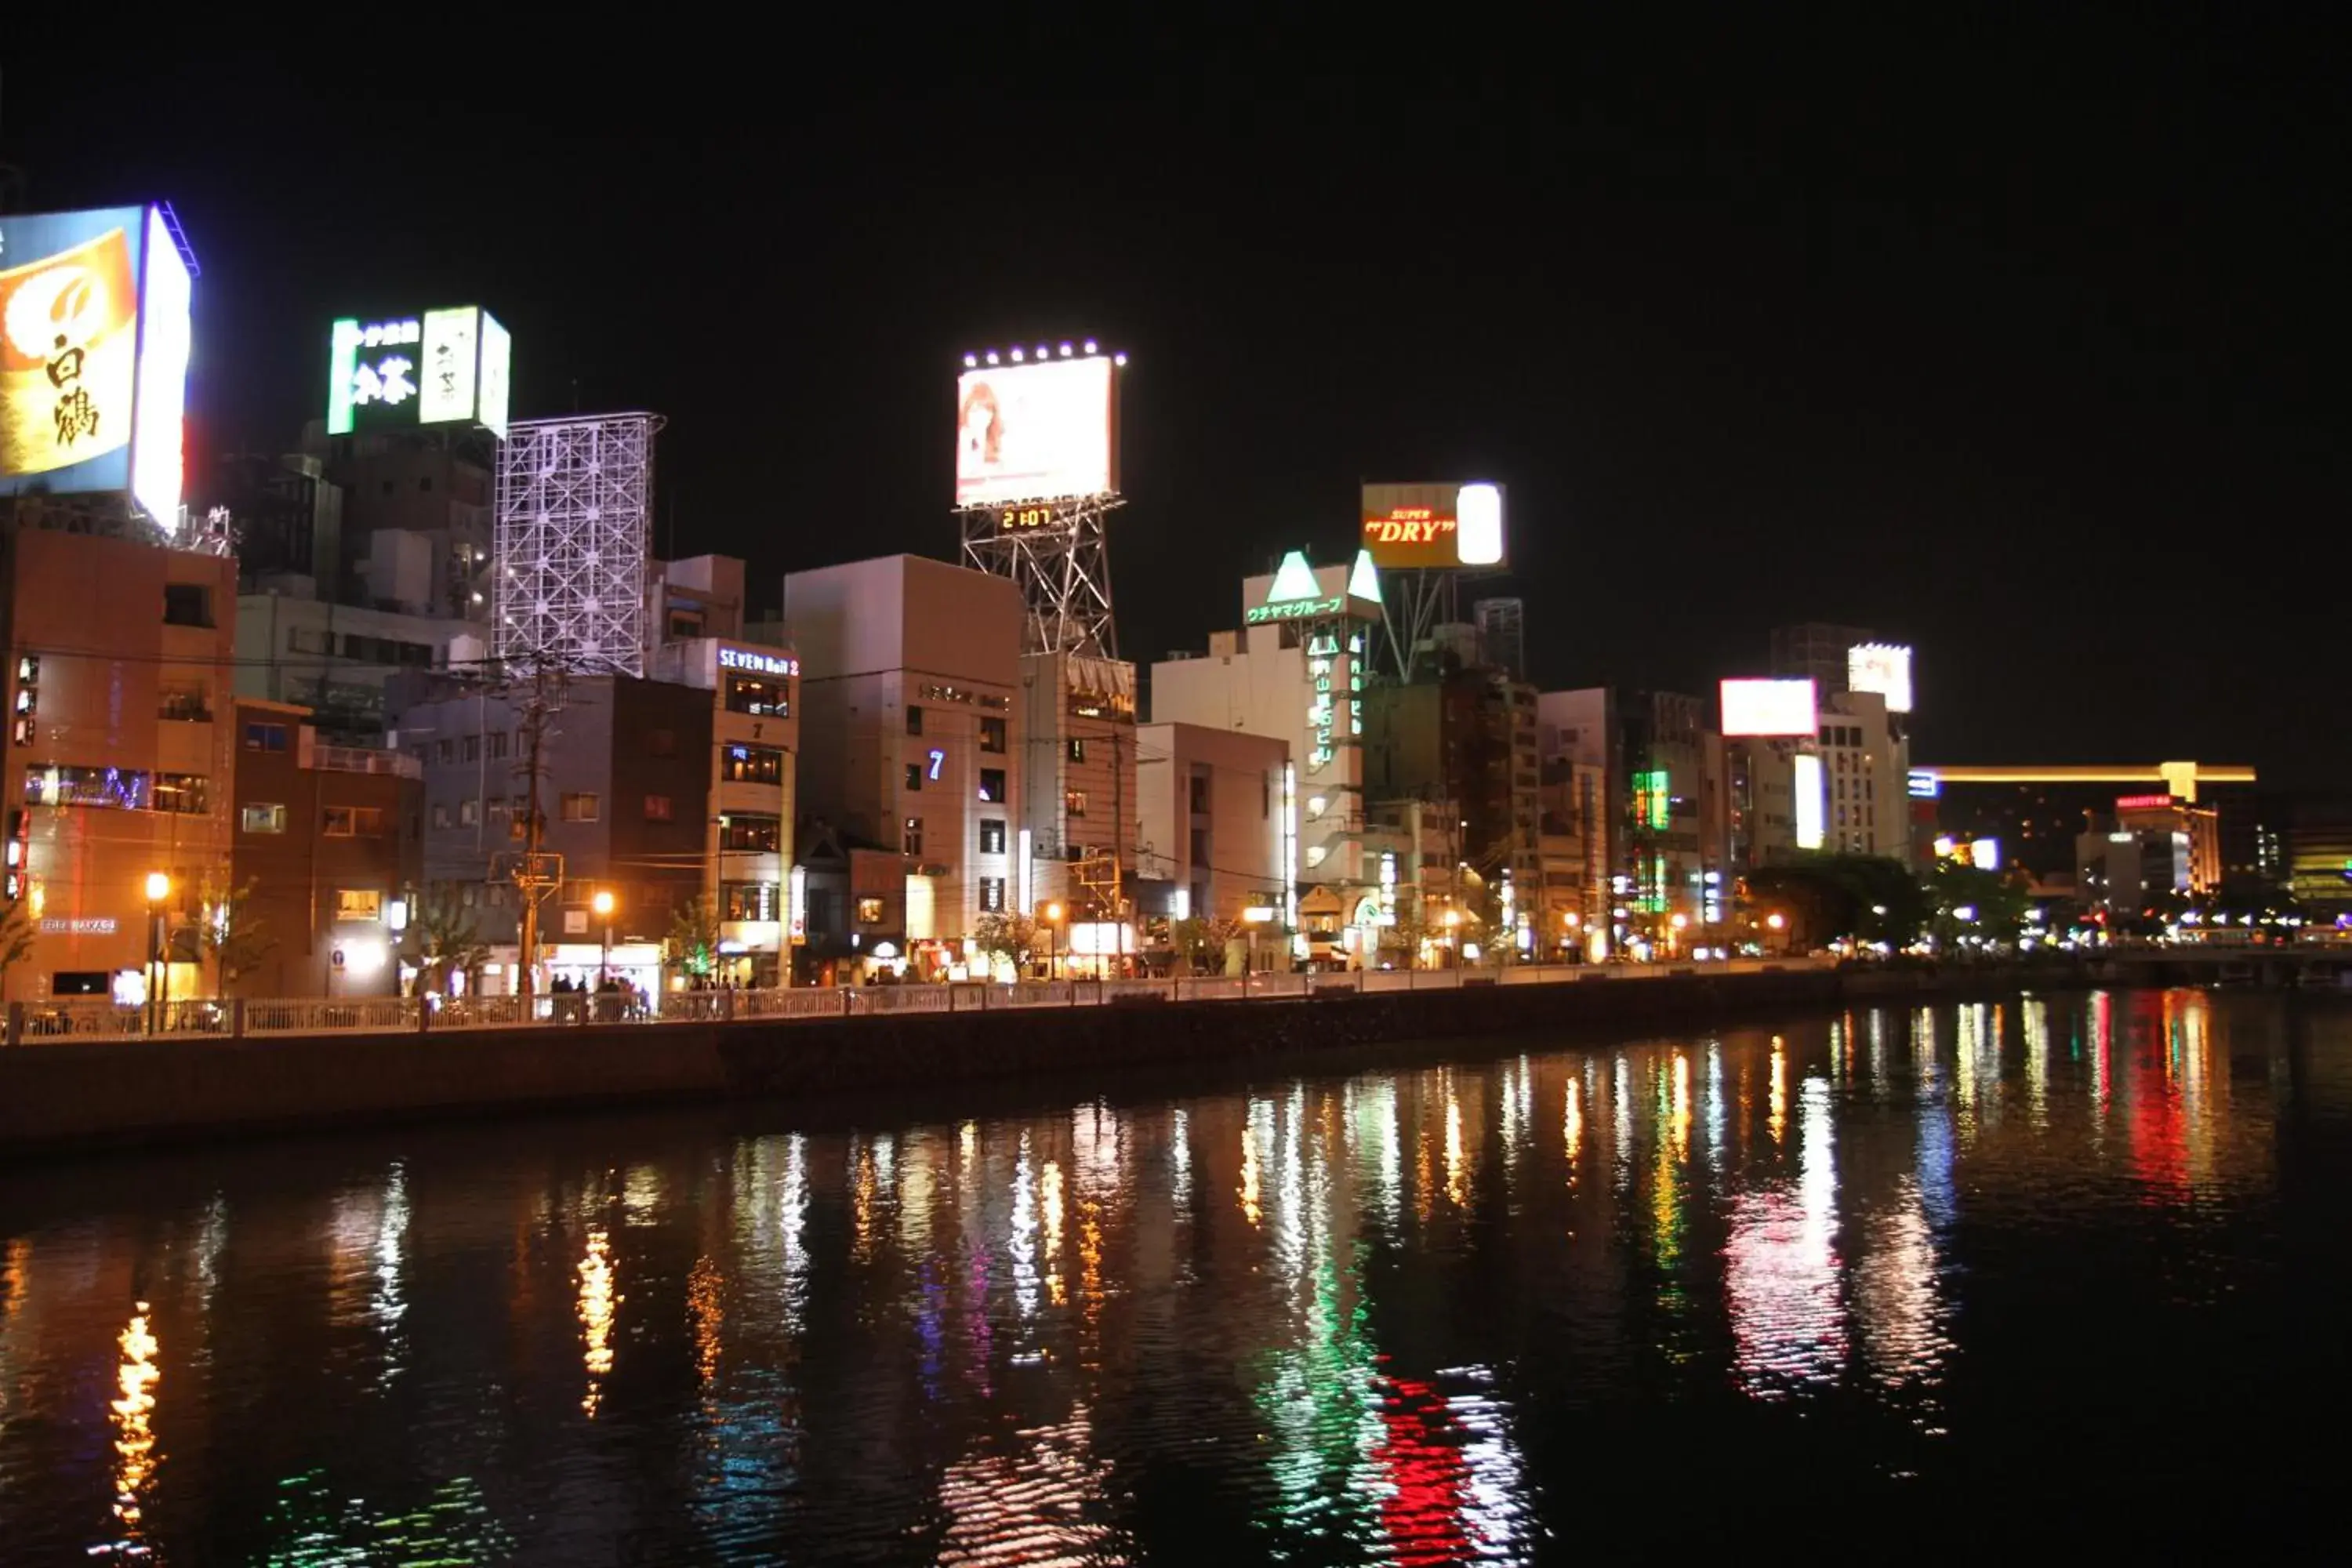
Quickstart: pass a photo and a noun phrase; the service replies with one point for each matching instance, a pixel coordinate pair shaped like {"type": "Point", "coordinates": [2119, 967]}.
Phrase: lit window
{"type": "Point", "coordinates": [869, 912]}
{"type": "Point", "coordinates": [579, 807]}
{"type": "Point", "coordinates": [259, 818]}
{"type": "Point", "coordinates": [992, 783]}
{"type": "Point", "coordinates": [1074, 802]}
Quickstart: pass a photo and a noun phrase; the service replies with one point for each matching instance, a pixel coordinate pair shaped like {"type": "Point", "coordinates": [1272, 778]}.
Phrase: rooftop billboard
{"type": "Point", "coordinates": [1768, 708]}
{"type": "Point", "coordinates": [1883, 668]}
{"type": "Point", "coordinates": [1047, 430]}
{"type": "Point", "coordinates": [447, 366]}
{"type": "Point", "coordinates": [94, 346]}
{"type": "Point", "coordinates": [1433, 526]}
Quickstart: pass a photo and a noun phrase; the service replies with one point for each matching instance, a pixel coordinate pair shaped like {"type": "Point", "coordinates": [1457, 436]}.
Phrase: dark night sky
{"type": "Point", "coordinates": [2024, 349]}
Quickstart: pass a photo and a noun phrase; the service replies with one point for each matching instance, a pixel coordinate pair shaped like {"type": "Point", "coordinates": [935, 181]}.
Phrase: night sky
{"type": "Point", "coordinates": [2023, 348]}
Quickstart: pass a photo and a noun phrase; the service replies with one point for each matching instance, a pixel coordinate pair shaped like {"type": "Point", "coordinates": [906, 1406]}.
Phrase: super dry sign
{"type": "Point", "coordinates": [1433, 527]}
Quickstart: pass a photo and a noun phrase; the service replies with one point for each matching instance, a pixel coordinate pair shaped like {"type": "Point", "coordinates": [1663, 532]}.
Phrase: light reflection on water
{"type": "Point", "coordinates": [1388, 1317]}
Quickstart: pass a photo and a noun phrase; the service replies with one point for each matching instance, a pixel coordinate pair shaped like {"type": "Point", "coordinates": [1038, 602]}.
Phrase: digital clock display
{"type": "Point", "coordinates": [1016, 519]}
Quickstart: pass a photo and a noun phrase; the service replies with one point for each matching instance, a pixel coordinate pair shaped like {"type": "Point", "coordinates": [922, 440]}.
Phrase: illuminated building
{"type": "Point", "coordinates": [1468, 735]}
{"type": "Point", "coordinates": [328, 841]}
{"type": "Point", "coordinates": [1210, 803]}
{"type": "Point", "coordinates": [2313, 839]}
{"type": "Point", "coordinates": [911, 720]}
{"type": "Point", "coordinates": [118, 753]}
{"type": "Point", "coordinates": [1295, 672]}
{"type": "Point", "coordinates": [1078, 779]}
{"type": "Point", "coordinates": [628, 779]}
{"type": "Point", "coordinates": [2162, 814]}
{"type": "Point", "coordinates": [1843, 789]}
{"type": "Point", "coordinates": [2119, 869]}
{"type": "Point", "coordinates": [754, 774]}
{"type": "Point", "coordinates": [1664, 804]}
{"type": "Point", "coordinates": [2038, 811]}
{"type": "Point", "coordinates": [1582, 767]}
{"type": "Point", "coordinates": [849, 905]}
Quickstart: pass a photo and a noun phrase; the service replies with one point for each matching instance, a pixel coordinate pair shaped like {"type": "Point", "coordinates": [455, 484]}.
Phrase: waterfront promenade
{"type": "Point", "coordinates": [34, 1023]}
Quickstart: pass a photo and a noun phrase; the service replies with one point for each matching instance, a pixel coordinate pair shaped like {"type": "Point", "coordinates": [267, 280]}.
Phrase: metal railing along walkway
{"type": "Point", "coordinates": [93, 1019]}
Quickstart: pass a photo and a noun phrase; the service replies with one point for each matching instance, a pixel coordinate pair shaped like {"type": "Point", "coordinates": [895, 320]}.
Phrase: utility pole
{"type": "Point", "coordinates": [536, 875]}
{"type": "Point", "coordinates": [1118, 844]}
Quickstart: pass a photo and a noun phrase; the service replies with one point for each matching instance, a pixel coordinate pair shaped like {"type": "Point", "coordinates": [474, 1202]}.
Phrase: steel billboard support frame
{"type": "Point", "coordinates": [1062, 567]}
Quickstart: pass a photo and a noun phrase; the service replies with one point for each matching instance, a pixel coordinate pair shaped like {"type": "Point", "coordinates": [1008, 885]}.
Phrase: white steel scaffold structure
{"type": "Point", "coordinates": [574, 519]}
{"type": "Point", "coordinates": [1056, 550]}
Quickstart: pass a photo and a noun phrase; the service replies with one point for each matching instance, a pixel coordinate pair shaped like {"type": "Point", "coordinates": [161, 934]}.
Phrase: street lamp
{"type": "Point", "coordinates": [159, 888]}
{"type": "Point", "coordinates": [603, 904]}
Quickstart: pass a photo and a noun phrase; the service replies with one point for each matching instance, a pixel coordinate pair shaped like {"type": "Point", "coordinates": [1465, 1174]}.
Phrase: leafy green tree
{"type": "Point", "coordinates": [693, 941]}
{"type": "Point", "coordinates": [448, 942]}
{"type": "Point", "coordinates": [1204, 940]}
{"type": "Point", "coordinates": [1996, 902]}
{"type": "Point", "coordinates": [1012, 937]}
{"type": "Point", "coordinates": [228, 934]}
{"type": "Point", "coordinates": [16, 940]}
{"type": "Point", "coordinates": [1868, 898]}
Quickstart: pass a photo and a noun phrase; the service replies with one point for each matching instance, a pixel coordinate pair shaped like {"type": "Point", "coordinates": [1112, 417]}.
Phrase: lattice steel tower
{"type": "Point", "coordinates": [1062, 565]}
{"type": "Point", "coordinates": [575, 509]}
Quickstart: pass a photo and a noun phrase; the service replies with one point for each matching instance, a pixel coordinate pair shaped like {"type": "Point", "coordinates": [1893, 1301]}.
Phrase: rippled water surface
{"type": "Point", "coordinates": [1956, 1280]}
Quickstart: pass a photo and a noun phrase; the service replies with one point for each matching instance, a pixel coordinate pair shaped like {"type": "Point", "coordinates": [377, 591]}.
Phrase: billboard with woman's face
{"type": "Point", "coordinates": [1047, 431]}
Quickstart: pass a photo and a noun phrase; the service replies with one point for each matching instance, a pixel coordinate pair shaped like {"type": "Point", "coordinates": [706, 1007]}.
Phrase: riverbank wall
{"type": "Point", "coordinates": [62, 1096]}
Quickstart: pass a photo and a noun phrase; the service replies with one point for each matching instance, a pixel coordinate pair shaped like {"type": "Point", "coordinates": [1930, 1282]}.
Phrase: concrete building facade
{"type": "Point", "coordinates": [625, 790]}
{"type": "Point", "coordinates": [912, 721]}
{"type": "Point", "coordinates": [1295, 671]}
{"type": "Point", "coordinates": [327, 853]}
{"type": "Point", "coordinates": [118, 758]}
{"type": "Point", "coordinates": [1210, 803]}
{"type": "Point", "coordinates": [1078, 779]}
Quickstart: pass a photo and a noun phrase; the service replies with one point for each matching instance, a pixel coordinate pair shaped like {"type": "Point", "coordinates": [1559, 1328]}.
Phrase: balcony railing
{"type": "Point", "coordinates": [365, 760]}
{"type": "Point", "coordinates": [95, 1019]}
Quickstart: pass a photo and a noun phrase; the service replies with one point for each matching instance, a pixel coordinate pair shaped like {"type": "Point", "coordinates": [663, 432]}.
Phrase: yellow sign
{"type": "Point", "coordinates": [69, 348]}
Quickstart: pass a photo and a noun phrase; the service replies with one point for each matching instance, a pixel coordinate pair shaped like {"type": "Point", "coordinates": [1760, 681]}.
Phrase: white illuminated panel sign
{"type": "Point", "coordinates": [1043, 431]}
{"type": "Point", "coordinates": [1810, 812]}
{"type": "Point", "coordinates": [753, 662]}
{"type": "Point", "coordinates": [1925, 784]}
{"type": "Point", "coordinates": [1768, 708]}
{"type": "Point", "coordinates": [1984, 854]}
{"type": "Point", "coordinates": [1882, 668]}
{"type": "Point", "coordinates": [450, 351]}
{"type": "Point", "coordinates": [1479, 510]}
{"type": "Point", "coordinates": [165, 339]}
{"type": "Point", "coordinates": [498, 370]}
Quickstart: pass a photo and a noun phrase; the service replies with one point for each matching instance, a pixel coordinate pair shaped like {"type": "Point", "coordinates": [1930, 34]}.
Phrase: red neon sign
{"type": "Point", "coordinates": [2144, 802]}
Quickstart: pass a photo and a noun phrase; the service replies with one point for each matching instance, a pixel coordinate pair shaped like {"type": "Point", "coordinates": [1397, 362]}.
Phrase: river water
{"type": "Point", "coordinates": [1938, 1281]}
